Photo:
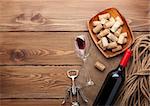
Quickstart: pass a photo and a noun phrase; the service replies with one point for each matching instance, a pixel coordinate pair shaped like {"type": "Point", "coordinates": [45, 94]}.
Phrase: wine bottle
{"type": "Point", "coordinates": [113, 82]}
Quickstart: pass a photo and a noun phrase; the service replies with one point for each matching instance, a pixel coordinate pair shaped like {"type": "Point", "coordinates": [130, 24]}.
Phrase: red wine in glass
{"type": "Point", "coordinates": [81, 43]}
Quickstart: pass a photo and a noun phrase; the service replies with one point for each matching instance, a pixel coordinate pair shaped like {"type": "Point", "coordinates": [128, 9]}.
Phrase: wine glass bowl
{"type": "Point", "coordinates": [82, 46]}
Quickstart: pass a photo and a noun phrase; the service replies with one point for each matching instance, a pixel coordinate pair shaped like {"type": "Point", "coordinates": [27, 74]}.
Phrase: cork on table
{"type": "Point", "coordinates": [36, 46]}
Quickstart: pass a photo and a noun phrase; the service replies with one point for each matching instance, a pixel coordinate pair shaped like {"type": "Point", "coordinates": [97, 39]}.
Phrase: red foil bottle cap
{"type": "Point", "coordinates": [125, 58]}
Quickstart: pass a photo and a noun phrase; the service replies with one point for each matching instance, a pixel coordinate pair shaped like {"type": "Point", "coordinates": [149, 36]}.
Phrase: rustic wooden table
{"type": "Point", "coordinates": [36, 46]}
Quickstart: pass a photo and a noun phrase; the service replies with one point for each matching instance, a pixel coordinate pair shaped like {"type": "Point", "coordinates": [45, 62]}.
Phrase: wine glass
{"type": "Point", "coordinates": [82, 47]}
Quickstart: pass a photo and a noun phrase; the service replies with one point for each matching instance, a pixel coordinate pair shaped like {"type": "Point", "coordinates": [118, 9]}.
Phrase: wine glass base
{"type": "Point", "coordinates": [90, 83]}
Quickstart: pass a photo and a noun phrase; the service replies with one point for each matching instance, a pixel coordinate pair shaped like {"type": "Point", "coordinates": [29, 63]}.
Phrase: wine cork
{"type": "Point", "coordinates": [124, 34]}
{"type": "Point", "coordinates": [101, 45]}
{"type": "Point", "coordinates": [110, 40]}
{"type": "Point", "coordinates": [119, 19]}
{"type": "Point", "coordinates": [116, 25]}
{"type": "Point", "coordinates": [110, 23]}
{"type": "Point", "coordinates": [125, 41]}
{"type": "Point", "coordinates": [100, 66]}
{"type": "Point", "coordinates": [103, 21]}
{"type": "Point", "coordinates": [104, 41]}
{"type": "Point", "coordinates": [98, 28]}
{"type": "Point", "coordinates": [95, 23]}
{"type": "Point", "coordinates": [118, 32]}
{"type": "Point", "coordinates": [121, 39]}
{"type": "Point", "coordinates": [118, 48]}
{"type": "Point", "coordinates": [112, 19]}
{"type": "Point", "coordinates": [112, 37]}
{"type": "Point", "coordinates": [112, 45]}
{"type": "Point", "coordinates": [106, 16]}
{"type": "Point", "coordinates": [103, 33]}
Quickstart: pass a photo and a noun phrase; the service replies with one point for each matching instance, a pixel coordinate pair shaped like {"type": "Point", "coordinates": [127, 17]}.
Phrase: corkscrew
{"type": "Point", "coordinates": [74, 91]}
{"type": "Point", "coordinates": [79, 93]}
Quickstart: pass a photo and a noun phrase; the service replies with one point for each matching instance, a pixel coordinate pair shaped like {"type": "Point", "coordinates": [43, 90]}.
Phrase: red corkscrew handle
{"type": "Point", "coordinates": [125, 58]}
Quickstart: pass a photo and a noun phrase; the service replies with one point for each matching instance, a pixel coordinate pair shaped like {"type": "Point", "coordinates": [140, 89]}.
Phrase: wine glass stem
{"type": "Point", "coordinates": [86, 70]}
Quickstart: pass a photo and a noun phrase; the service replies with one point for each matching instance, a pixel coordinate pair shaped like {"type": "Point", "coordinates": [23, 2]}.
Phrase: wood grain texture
{"type": "Point", "coordinates": [66, 15]}
{"type": "Point", "coordinates": [38, 83]}
{"type": "Point", "coordinates": [52, 48]}
{"type": "Point", "coordinates": [34, 81]}
{"type": "Point", "coordinates": [33, 65]}
{"type": "Point", "coordinates": [42, 48]}
{"type": "Point", "coordinates": [31, 102]}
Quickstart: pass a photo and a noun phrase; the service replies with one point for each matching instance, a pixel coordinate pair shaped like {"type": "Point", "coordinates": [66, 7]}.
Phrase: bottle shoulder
{"type": "Point", "coordinates": [119, 72]}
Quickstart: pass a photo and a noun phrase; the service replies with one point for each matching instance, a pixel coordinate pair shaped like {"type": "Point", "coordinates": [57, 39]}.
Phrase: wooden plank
{"type": "Point", "coordinates": [35, 85]}
{"type": "Point", "coordinates": [42, 48]}
{"type": "Point", "coordinates": [66, 15]}
{"type": "Point", "coordinates": [34, 81]}
{"type": "Point", "coordinates": [52, 48]}
{"type": "Point", "coordinates": [31, 102]}
{"type": "Point", "coordinates": [35, 102]}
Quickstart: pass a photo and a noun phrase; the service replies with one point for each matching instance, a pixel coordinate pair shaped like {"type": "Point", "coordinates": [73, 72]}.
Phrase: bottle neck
{"type": "Point", "coordinates": [125, 58]}
{"type": "Point", "coordinates": [120, 68]}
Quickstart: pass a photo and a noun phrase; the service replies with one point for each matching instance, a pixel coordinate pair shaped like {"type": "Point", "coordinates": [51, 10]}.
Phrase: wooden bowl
{"type": "Point", "coordinates": [125, 28]}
